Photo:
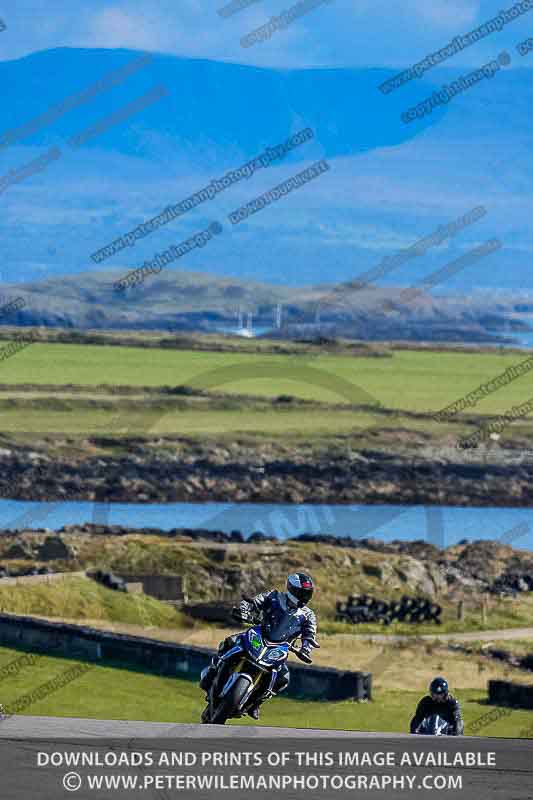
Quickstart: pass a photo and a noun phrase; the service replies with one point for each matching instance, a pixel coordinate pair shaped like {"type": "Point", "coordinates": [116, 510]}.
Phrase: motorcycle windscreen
{"type": "Point", "coordinates": [281, 627]}
{"type": "Point", "coordinates": [434, 726]}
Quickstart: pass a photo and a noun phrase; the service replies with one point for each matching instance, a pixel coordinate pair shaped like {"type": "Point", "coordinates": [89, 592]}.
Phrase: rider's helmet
{"type": "Point", "coordinates": [438, 688]}
{"type": "Point", "coordinates": [299, 588]}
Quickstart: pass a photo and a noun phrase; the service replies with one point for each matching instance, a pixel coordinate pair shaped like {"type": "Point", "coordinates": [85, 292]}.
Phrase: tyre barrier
{"type": "Point", "coordinates": [108, 580]}
{"type": "Point", "coordinates": [164, 658]}
{"type": "Point", "coordinates": [512, 583]}
{"type": "Point", "coordinates": [515, 695]}
{"type": "Point", "coordinates": [363, 608]}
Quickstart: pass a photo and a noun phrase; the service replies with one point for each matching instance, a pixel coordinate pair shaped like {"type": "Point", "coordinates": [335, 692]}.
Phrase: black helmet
{"type": "Point", "coordinates": [439, 687]}
{"type": "Point", "coordinates": [300, 588]}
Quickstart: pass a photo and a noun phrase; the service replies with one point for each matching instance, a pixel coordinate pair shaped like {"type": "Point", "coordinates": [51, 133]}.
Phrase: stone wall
{"type": "Point", "coordinates": [163, 587]}
{"type": "Point", "coordinates": [314, 683]}
{"type": "Point", "coordinates": [504, 693]}
{"type": "Point", "coordinates": [45, 578]}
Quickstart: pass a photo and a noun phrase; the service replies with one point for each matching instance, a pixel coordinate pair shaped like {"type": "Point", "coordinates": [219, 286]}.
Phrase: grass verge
{"type": "Point", "coordinates": [109, 692]}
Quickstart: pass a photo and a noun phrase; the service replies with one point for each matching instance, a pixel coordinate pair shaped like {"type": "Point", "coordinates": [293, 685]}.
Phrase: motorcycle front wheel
{"type": "Point", "coordinates": [229, 704]}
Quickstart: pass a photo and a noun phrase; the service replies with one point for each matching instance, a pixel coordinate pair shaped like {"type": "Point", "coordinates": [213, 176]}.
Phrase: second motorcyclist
{"type": "Point", "coordinates": [288, 618]}
{"type": "Point", "coordinates": [442, 703]}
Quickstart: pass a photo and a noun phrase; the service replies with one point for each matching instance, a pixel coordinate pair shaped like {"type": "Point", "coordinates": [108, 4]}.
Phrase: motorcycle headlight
{"type": "Point", "coordinates": [275, 654]}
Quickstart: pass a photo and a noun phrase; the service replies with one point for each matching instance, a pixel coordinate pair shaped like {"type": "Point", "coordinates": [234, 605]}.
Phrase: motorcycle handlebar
{"type": "Point", "coordinates": [238, 617]}
{"type": "Point", "coordinates": [302, 656]}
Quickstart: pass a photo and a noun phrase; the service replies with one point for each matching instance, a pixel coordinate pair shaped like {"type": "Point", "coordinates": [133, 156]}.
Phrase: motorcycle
{"type": "Point", "coordinates": [248, 671]}
{"type": "Point", "coordinates": [433, 726]}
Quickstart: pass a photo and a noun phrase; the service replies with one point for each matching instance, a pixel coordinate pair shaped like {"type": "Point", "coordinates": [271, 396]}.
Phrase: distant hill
{"type": "Point", "coordinates": [389, 183]}
{"type": "Point", "coordinates": [171, 300]}
{"type": "Point", "coordinates": [215, 113]}
{"type": "Point", "coordinates": [190, 301]}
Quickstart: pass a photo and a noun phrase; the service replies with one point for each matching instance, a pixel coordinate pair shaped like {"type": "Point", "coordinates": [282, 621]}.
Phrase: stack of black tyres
{"type": "Point", "coordinates": [362, 608]}
{"type": "Point", "coordinates": [512, 583]}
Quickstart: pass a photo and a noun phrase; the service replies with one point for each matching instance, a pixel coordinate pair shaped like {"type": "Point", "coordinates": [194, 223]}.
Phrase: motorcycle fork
{"type": "Point", "coordinates": [222, 676]}
{"type": "Point", "coordinates": [256, 680]}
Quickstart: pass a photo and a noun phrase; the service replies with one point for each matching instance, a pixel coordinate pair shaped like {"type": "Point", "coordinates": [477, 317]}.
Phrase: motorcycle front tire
{"type": "Point", "coordinates": [229, 704]}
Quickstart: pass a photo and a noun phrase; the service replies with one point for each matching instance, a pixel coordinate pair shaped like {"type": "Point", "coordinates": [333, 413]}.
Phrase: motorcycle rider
{"type": "Point", "coordinates": [441, 702]}
{"type": "Point", "coordinates": [290, 607]}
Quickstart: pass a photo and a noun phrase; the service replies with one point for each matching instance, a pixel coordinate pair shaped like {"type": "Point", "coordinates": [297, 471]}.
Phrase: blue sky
{"type": "Point", "coordinates": [339, 33]}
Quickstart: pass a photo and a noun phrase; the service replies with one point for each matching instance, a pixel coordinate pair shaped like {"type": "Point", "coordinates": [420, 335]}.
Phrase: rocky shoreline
{"type": "Point", "coordinates": [213, 557]}
{"type": "Point", "coordinates": [178, 470]}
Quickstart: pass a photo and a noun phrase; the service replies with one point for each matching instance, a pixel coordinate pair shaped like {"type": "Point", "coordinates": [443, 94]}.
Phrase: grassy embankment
{"type": "Point", "coordinates": [80, 599]}
{"type": "Point", "coordinates": [205, 567]}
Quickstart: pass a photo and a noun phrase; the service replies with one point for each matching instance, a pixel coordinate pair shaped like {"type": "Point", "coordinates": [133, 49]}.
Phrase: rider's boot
{"type": "Point", "coordinates": [254, 711]}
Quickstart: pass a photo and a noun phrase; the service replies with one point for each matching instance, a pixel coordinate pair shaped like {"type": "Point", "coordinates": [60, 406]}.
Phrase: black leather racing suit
{"type": "Point", "coordinates": [448, 709]}
{"type": "Point", "coordinates": [281, 623]}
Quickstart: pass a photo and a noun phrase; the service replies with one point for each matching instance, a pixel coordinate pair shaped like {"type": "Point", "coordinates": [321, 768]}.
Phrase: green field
{"type": "Point", "coordinates": [414, 381]}
{"type": "Point", "coordinates": [41, 391]}
{"type": "Point", "coordinates": [79, 418]}
{"type": "Point", "coordinates": [110, 692]}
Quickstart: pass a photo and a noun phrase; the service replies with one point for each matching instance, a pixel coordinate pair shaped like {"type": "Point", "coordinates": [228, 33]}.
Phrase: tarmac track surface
{"type": "Point", "coordinates": [19, 727]}
{"type": "Point", "coordinates": [69, 727]}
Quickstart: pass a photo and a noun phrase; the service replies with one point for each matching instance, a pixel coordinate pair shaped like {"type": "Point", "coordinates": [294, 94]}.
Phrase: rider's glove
{"type": "Point", "coordinates": [246, 610]}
